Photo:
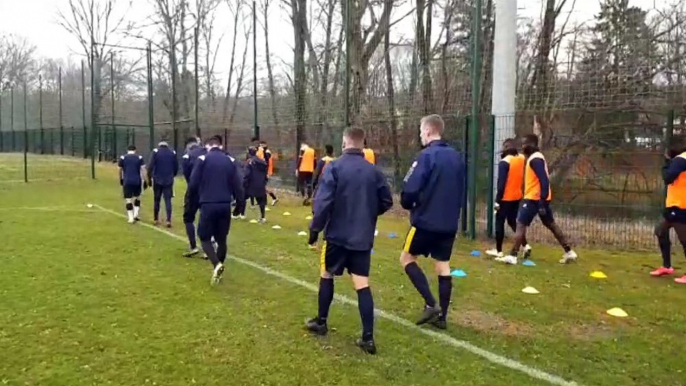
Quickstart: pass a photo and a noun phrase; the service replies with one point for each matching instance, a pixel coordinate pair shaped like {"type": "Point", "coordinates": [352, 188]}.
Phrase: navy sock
{"type": "Point", "coordinates": [325, 298]}
{"type": "Point", "coordinates": [499, 234]}
{"type": "Point", "coordinates": [419, 281]}
{"type": "Point", "coordinates": [665, 250]}
{"type": "Point", "coordinates": [445, 289]}
{"type": "Point", "coordinates": [190, 232]}
{"type": "Point", "coordinates": [365, 303]}
{"type": "Point", "coordinates": [262, 209]}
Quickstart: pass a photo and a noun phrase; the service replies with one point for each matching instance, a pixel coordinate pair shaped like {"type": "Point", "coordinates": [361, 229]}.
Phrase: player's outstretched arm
{"type": "Point", "coordinates": [324, 200]}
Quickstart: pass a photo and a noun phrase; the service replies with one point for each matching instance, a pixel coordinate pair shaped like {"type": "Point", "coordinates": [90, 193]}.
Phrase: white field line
{"type": "Point", "coordinates": [489, 356]}
{"type": "Point", "coordinates": [47, 209]}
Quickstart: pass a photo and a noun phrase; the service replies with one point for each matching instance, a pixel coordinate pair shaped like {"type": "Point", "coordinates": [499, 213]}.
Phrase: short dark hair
{"type": "Point", "coordinates": [215, 140]}
{"type": "Point", "coordinates": [531, 139]}
{"type": "Point", "coordinates": [329, 149]}
{"type": "Point", "coordinates": [191, 140]}
{"type": "Point", "coordinates": [355, 134]}
{"type": "Point", "coordinates": [131, 147]}
{"type": "Point", "coordinates": [254, 139]}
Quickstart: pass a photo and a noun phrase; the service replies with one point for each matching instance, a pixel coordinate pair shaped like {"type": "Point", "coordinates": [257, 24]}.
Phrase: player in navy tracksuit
{"type": "Point", "coordinates": [162, 168]}
{"type": "Point", "coordinates": [433, 191]}
{"type": "Point", "coordinates": [255, 181]}
{"type": "Point", "coordinates": [352, 194]}
{"type": "Point", "coordinates": [217, 182]}
{"type": "Point", "coordinates": [194, 149]}
{"type": "Point", "coordinates": [133, 181]}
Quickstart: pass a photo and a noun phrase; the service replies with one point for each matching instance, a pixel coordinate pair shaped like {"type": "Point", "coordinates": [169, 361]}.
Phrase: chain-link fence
{"type": "Point", "coordinates": [604, 93]}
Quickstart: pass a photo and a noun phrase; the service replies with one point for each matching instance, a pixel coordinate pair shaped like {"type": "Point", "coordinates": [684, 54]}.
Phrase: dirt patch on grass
{"type": "Point", "coordinates": [494, 324]}
{"type": "Point", "coordinates": [488, 322]}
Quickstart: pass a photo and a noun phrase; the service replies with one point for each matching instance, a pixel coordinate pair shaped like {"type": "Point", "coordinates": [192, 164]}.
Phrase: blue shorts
{"type": "Point", "coordinates": [529, 210]}
{"type": "Point", "coordinates": [438, 246]}
{"type": "Point", "coordinates": [335, 259]}
{"type": "Point", "coordinates": [131, 191]}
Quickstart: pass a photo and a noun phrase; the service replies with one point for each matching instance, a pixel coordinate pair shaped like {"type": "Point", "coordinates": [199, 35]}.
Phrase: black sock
{"type": "Point", "coordinates": [499, 234]}
{"type": "Point", "coordinates": [129, 206]}
{"type": "Point", "coordinates": [156, 209]}
{"type": "Point", "coordinates": [137, 203]}
{"type": "Point", "coordinates": [208, 248]}
{"type": "Point", "coordinates": [325, 298]}
{"type": "Point", "coordinates": [445, 289]}
{"type": "Point", "coordinates": [272, 195]}
{"type": "Point", "coordinates": [365, 303]}
{"type": "Point", "coordinates": [222, 248]}
{"type": "Point", "coordinates": [190, 232]}
{"type": "Point", "coordinates": [565, 247]}
{"type": "Point", "coordinates": [665, 249]}
{"type": "Point", "coordinates": [262, 208]}
{"type": "Point", "coordinates": [252, 201]}
{"type": "Point", "coordinates": [419, 281]}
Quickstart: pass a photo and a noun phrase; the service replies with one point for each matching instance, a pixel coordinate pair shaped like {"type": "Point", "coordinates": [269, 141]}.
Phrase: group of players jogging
{"type": "Point", "coordinates": [349, 193]}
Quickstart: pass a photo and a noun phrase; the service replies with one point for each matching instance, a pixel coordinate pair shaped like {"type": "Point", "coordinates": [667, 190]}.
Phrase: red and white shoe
{"type": "Point", "coordinates": [662, 271]}
{"type": "Point", "coordinates": [680, 280]}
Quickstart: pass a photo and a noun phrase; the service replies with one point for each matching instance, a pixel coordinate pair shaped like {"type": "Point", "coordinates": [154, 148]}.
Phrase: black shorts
{"type": "Point", "coordinates": [305, 178]}
{"type": "Point", "coordinates": [190, 207]}
{"type": "Point", "coordinates": [529, 211]}
{"type": "Point", "coordinates": [508, 211]}
{"type": "Point", "coordinates": [335, 260]}
{"type": "Point", "coordinates": [439, 246]}
{"type": "Point", "coordinates": [131, 191]}
{"type": "Point", "coordinates": [674, 215]}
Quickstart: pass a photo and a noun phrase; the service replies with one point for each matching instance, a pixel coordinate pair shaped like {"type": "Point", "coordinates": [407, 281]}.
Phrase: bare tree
{"type": "Point", "coordinates": [270, 71]}
{"type": "Point", "coordinates": [16, 59]}
{"type": "Point", "coordinates": [235, 7]}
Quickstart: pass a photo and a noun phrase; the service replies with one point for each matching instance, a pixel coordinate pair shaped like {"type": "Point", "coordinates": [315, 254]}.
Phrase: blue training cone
{"type": "Point", "coordinates": [476, 253]}
{"type": "Point", "coordinates": [529, 263]}
{"type": "Point", "coordinates": [393, 235]}
{"type": "Point", "coordinates": [459, 273]}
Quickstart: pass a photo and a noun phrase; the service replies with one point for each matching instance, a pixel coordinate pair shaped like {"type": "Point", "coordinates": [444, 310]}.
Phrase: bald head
{"type": "Point", "coordinates": [431, 128]}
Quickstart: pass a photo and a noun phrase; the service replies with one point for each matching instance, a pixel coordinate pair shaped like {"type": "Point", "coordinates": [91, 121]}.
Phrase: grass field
{"type": "Point", "coordinates": [89, 299]}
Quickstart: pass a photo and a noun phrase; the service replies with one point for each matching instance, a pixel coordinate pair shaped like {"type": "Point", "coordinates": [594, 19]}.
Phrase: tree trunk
{"type": "Point", "coordinates": [227, 96]}
{"type": "Point", "coordinates": [270, 74]}
{"type": "Point", "coordinates": [298, 9]}
{"type": "Point", "coordinates": [390, 93]}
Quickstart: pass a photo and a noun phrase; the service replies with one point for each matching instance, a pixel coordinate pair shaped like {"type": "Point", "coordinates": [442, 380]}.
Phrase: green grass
{"type": "Point", "coordinates": [89, 299]}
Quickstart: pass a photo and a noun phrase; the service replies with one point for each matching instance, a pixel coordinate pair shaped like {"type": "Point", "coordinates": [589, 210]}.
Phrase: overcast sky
{"type": "Point", "coordinates": [37, 21]}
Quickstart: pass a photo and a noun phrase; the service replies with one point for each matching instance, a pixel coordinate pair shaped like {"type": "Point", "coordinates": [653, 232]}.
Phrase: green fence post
{"type": "Point", "coordinates": [465, 147]}
{"type": "Point", "coordinates": [61, 113]}
{"type": "Point", "coordinates": [151, 107]}
{"type": "Point", "coordinates": [491, 172]}
{"type": "Point", "coordinates": [669, 134]}
{"type": "Point", "coordinates": [83, 111]}
{"type": "Point", "coordinates": [14, 139]}
{"type": "Point", "coordinates": [2, 133]}
{"type": "Point", "coordinates": [73, 134]}
{"type": "Point", "coordinates": [26, 136]}
{"type": "Point", "coordinates": [476, 110]}
{"type": "Point", "coordinates": [40, 114]}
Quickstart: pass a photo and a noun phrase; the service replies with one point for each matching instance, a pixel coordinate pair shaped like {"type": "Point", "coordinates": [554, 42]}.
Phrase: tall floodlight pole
{"type": "Point", "coordinates": [504, 86]}
{"type": "Point", "coordinates": [475, 121]}
{"type": "Point", "coordinates": [256, 128]}
{"type": "Point", "coordinates": [348, 69]}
